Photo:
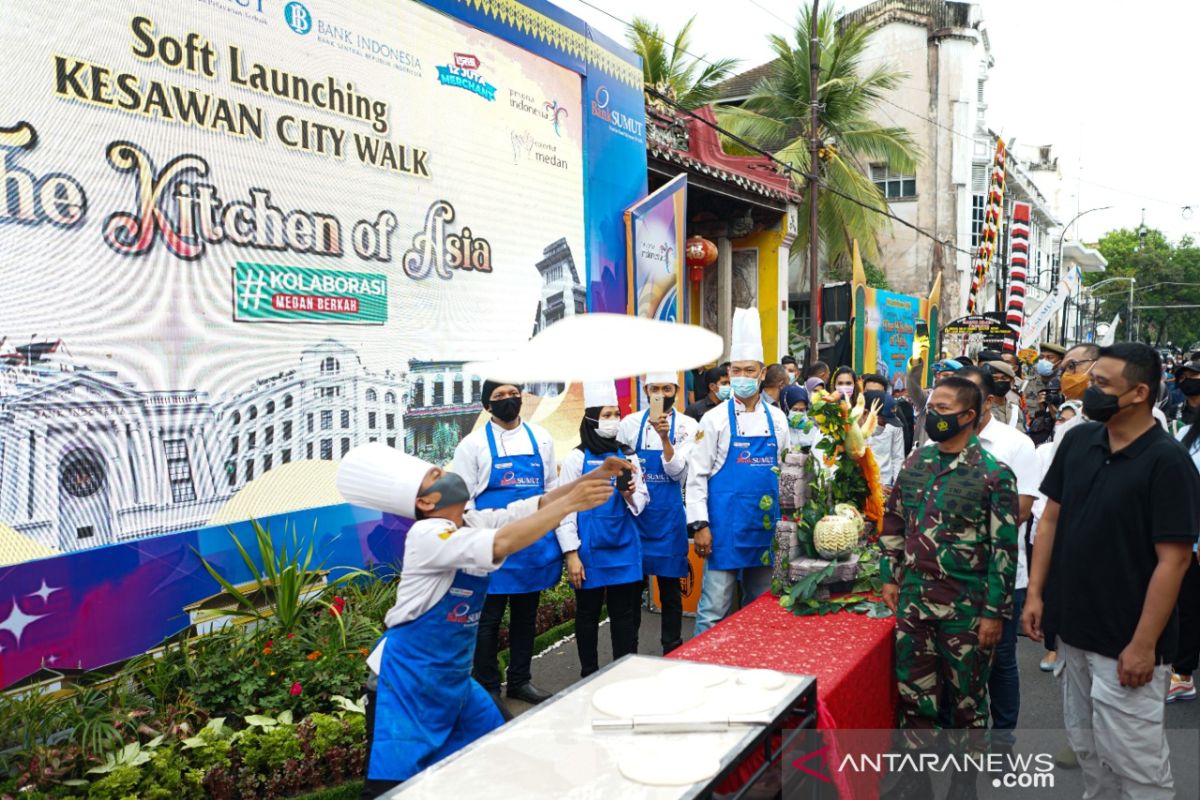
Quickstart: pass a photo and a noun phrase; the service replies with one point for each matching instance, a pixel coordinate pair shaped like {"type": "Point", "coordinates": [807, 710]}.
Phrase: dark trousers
{"type": "Point", "coordinates": [624, 615]}
{"type": "Point", "coordinates": [1004, 686]}
{"type": "Point", "coordinates": [1187, 659]}
{"type": "Point", "coordinates": [522, 619]}
{"type": "Point", "coordinates": [670, 600]}
{"type": "Point", "coordinates": [373, 789]}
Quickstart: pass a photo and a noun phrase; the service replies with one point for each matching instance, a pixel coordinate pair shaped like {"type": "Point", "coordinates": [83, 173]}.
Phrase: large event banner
{"type": "Point", "coordinates": [885, 326]}
{"type": "Point", "coordinates": [240, 237]}
{"type": "Point", "coordinates": [654, 231]}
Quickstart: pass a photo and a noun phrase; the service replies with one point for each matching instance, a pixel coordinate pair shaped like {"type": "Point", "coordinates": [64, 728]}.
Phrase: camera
{"type": "Point", "coordinates": [1054, 395]}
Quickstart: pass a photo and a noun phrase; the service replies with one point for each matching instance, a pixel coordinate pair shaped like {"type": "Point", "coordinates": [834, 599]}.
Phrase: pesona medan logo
{"type": "Point", "coordinates": [463, 72]}
{"type": "Point", "coordinates": [298, 18]}
{"type": "Point", "coordinates": [618, 121]}
{"type": "Point", "coordinates": [526, 146]}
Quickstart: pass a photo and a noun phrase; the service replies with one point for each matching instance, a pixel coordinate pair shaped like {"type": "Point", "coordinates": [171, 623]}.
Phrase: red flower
{"type": "Point", "coordinates": [296, 689]}
{"type": "Point", "coordinates": [270, 642]}
{"type": "Point", "coordinates": [291, 636]}
{"type": "Point", "coordinates": [338, 605]}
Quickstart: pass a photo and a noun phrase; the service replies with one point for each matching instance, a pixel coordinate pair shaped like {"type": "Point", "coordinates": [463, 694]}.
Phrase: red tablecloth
{"type": "Point", "coordinates": [850, 655]}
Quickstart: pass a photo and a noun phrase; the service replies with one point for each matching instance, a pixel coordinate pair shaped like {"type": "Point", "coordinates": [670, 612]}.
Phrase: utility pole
{"type": "Point", "coordinates": [814, 145]}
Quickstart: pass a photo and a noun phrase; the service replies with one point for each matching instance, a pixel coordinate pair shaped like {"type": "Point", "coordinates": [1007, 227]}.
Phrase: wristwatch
{"type": "Point", "coordinates": [695, 527]}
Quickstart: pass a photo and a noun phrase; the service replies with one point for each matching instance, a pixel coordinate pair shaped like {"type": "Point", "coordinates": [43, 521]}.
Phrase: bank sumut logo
{"type": "Point", "coordinates": [463, 72]}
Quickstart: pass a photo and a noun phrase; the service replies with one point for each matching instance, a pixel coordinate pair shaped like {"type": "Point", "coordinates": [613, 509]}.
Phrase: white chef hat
{"type": "Point", "coordinates": [747, 336]}
{"type": "Point", "coordinates": [662, 377]}
{"type": "Point", "coordinates": [599, 393]}
{"type": "Point", "coordinates": [381, 477]}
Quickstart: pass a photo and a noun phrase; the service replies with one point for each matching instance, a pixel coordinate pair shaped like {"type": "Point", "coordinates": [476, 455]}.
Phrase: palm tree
{"type": "Point", "coordinates": [671, 69]}
{"type": "Point", "coordinates": [776, 117]}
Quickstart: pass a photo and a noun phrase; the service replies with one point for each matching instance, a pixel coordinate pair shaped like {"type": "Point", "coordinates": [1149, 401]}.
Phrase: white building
{"type": "Point", "coordinates": [443, 404]}
{"type": "Point", "coordinates": [87, 459]}
{"type": "Point", "coordinates": [944, 49]}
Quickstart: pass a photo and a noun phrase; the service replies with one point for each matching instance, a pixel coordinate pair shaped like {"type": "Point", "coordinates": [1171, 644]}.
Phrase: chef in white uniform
{"type": "Point", "coordinates": [732, 484]}
{"type": "Point", "coordinates": [426, 705]}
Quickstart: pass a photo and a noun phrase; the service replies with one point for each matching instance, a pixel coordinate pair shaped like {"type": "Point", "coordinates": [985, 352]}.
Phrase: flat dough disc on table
{"type": "Point", "coordinates": [669, 765]}
{"type": "Point", "coordinates": [768, 679]}
{"type": "Point", "coordinates": [702, 675]}
{"type": "Point", "coordinates": [734, 699]}
{"type": "Point", "coordinates": [644, 696]}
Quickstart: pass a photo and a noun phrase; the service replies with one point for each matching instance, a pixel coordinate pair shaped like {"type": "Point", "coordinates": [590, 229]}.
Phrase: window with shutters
{"type": "Point", "coordinates": [179, 470]}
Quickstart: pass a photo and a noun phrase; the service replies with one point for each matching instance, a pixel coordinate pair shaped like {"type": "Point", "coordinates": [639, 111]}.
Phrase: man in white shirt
{"type": "Point", "coordinates": [1008, 445]}
{"type": "Point", "coordinates": [425, 705]}
{"type": "Point", "coordinates": [662, 443]}
{"type": "Point", "coordinates": [504, 461]}
{"type": "Point", "coordinates": [732, 485]}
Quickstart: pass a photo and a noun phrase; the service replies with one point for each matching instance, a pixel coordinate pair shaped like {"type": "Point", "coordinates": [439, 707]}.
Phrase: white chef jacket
{"type": "Point", "coordinates": [711, 445]}
{"type": "Point", "coordinates": [434, 551]}
{"type": "Point", "coordinates": [1009, 446]}
{"type": "Point", "coordinates": [887, 444]}
{"type": "Point", "coordinates": [572, 468]}
{"type": "Point", "coordinates": [685, 432]}
{"type": "Point", "coordinates": [473, 459]}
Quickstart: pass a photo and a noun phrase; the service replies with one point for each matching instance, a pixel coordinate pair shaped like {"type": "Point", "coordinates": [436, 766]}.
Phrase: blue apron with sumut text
{"type": "Point", "coordinates": [513, 478]}
{"type": "Point", "coordinates": [662, 523]}
{"type": "Point", "coordinates": [610, 547]}
{"type": "Point", "coordinates": [427, 704]}
{"type": "Point", "coordinates": [742, 530]}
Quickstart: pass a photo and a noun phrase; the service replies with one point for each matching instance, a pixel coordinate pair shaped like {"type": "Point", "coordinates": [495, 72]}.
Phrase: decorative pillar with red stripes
{"type": "Point", "coordinates": [991, 227]}
{"type": "Point", "coordinates": [1018, 273]}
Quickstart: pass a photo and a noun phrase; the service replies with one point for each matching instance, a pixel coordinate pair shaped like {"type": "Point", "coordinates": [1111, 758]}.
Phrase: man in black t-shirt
{"type": "Point", "coordinates": [716, 388]}
{"type": "Point", "coordinates": [1113, 544]}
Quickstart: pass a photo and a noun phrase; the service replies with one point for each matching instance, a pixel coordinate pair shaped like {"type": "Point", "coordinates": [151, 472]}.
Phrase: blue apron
{"type": "Point", "coordinates": [427, 704]}
{"type": "Point", "coordinates": [513, 478]}
{"type": "Point", "coordinates": [735, 516]}
{"type": "Point", "coordinates": [662, 523]}
{"type": "Point", "coordinates": [610, 547]}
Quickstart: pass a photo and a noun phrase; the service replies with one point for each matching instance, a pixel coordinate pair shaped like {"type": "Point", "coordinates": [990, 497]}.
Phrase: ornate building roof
{"type": "Point", "coordinates": [678, 140]}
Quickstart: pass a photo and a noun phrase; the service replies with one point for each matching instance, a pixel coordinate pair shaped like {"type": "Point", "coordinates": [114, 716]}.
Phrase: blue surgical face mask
{"type": "Point", "coordinates": [744, 388]}
{"type": "Point", "coordinates": [723, 392]}
{"type": "Point", "coordinates": [1045, 368]}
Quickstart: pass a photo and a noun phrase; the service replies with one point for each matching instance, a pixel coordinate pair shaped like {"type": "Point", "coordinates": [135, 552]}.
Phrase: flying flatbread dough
{"type": "Point", "coordinates": [767, 679]}
{"type": "Point", "coordinates": [645, 696]}
{"type": "Point", "coordinates": [701, 675]}
{"type": "Point", "coordinates": [669, 764]}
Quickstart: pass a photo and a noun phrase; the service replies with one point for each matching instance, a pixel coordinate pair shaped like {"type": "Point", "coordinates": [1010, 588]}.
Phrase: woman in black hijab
{"type": "Point", "coordinates": [602, 546]}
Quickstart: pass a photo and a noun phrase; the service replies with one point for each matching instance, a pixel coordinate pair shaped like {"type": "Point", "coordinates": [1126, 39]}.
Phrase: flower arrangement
{"type": "Point", "coordinates": [834, 543]}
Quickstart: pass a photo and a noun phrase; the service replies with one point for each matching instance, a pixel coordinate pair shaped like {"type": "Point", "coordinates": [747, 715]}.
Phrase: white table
{"type": "Point", "coordinates": [551, 752]}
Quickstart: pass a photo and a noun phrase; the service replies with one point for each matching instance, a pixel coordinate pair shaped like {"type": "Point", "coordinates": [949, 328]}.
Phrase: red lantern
{"type": "Point", "coordinates": [699, 253]}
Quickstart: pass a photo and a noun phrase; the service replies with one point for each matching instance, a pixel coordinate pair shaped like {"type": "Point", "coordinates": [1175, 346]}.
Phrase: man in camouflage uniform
{"type": "Point", "coordinates": [949, 560]}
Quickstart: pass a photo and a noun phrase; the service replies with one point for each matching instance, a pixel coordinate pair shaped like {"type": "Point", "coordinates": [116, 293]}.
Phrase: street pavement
{"type": "Point", "coordinates": [1041, 705]}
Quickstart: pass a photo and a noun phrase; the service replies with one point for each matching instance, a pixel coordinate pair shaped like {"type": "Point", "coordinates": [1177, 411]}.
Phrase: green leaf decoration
{"type": "Point", "coordinates": [766, 503]}
{"type": "Point", "coordinates": [766, 558]}
{"type": "Point", "coordinates": [767, 522]}
{"type": "Point", "coordinates": [786, 601]}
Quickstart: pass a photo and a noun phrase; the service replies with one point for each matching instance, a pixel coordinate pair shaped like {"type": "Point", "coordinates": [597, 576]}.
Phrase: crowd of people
{"type": "Point", "coordinates": [1007, 514]}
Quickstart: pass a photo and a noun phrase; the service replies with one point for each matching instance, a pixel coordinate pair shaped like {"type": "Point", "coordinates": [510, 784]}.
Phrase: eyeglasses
{"type": "Point", "coordinates": [1075, 363]}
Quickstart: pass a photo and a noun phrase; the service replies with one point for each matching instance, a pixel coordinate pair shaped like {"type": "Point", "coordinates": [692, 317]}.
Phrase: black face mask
{"type": "Point", "coordinates": [1190, 415]}
{"type": "Point", "coordinates": [506, 410]}
{"type": "Point", "coordinates": [1099, 406]}
{"type": "Point", "coordinates": [453, 490]}
{"type": "Point", "coordinates": [1002, 389]}
{"type": "Point", "coordinates": [1190, 387]}
{"type": "Point", "coordinates": [942, 427]}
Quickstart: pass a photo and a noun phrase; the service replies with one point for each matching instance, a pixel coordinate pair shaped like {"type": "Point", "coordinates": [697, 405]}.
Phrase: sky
{"type": "Point", "coordinates": [1107, 84]}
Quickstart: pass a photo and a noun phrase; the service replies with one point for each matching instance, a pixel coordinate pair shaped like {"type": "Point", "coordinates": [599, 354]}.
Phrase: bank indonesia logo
{"type": "Point", "coordinates": [297, 17]}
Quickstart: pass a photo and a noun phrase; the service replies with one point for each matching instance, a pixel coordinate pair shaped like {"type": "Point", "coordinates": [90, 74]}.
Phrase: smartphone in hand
{"type": "Point", "coordinates": [658, 407]}
{"type": "Point", "coordinates": [625, 480]}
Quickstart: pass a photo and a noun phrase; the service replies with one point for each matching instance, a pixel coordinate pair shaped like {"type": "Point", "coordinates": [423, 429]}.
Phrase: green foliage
{"type": "Point", "coordinates": [1167, 273]}
{"type": "Point", "coordinates": [670, 68]}
{"type": "Point", "coordinates": [287, 575]}
{"type": "Point", "coordinates": [776, 118]}
{"type": "Point", "coordinates": [843, 271]}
